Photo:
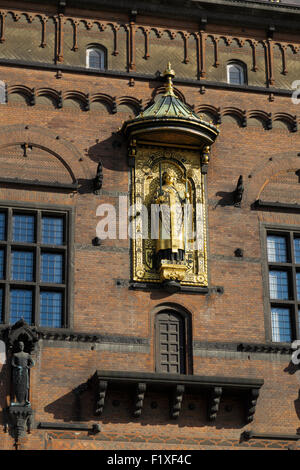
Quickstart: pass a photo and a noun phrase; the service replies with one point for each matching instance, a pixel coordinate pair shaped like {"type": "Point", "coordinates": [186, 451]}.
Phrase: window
{"type": "Point", "coordinates": [34, 257]}
{"type": "Point", "coordinates": [3, 98]}
{"type": "Point", "coordinates": [236, 74]}
{"type": "Point", "coordinates": [170, 343]}
{"type": "Point", "coordinates": [96, 58]}
{"type": "Point", "coordinates": [283, 252]}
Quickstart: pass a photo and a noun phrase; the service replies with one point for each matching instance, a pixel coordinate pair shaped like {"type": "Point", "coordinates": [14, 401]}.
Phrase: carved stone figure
{"type": "Point", "coordinates": [171, 238]}
{"type": "Point", "coordinates": [98, 178]}
{"type": "Point", "coordinates": [238, 194]}
{"type": "Point", "coordinates": [21, 363]}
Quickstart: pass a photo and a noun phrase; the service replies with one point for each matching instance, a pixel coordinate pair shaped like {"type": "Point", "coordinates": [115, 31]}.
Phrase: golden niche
{"type": "Point", "coordinates": [170, 222]}
{"type": "Point", "coordinates": [169, 149]}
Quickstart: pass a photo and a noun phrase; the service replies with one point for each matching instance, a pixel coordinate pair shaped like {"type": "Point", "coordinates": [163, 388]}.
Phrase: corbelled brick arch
{"type": "Point", "coordinates": [41, 143]}
{"type": "Point", "coordinates": [276, 165]}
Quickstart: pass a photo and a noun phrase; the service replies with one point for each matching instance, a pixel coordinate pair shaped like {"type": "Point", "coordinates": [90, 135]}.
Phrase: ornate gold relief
{"type": "Point", "coordinates": [150, 163]}
{"type": "Point", "coordinates": [169, 150]}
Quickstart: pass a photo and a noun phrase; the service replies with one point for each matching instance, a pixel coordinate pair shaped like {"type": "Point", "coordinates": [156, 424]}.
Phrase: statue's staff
{"type": "Point", "coordinates": [160, 179]}
{"type": "Point", "coordinates": [184, 214]}
{"type": "Point", "coordinates": [186, 186]}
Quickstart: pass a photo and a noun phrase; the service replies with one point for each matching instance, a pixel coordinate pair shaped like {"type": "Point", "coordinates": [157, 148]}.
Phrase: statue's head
{"type": "Point", "coordinates": [21, 345]}
{"type": "Point", "coordinates": [169, 177]}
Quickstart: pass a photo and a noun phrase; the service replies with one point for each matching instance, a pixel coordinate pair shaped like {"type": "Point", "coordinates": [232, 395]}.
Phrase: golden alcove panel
{"type": "Point", "coordinates": [150, 162]}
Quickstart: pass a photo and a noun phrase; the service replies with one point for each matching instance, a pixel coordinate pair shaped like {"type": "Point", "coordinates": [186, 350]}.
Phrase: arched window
{"type": "Point", "coordinates": [171, 342]}
{"type": "Point", "coordinates": [236, 73]}
{"type": "Point", "coordinates": [96, 58]}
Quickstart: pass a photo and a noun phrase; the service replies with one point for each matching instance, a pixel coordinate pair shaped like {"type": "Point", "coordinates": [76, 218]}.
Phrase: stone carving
{"type": "Point", "coordinates": [21, 331]}
{"type": "Point", "coordinates": [98, 178]}
{"type": "Point", "coordinates": [21, 363]}
{"type": "Point", "coordinates": [176, 401]}
{"type": "Point", "coordinates": [214, 403]}
{"type": "Point", "coordinates": [21, 340]}
{"type": "Point", "coordinates": [238, 193]}
{"type": "Point", "coordinates": [253, 395]}
{"type": "Point", "coordinates": [139, 399]}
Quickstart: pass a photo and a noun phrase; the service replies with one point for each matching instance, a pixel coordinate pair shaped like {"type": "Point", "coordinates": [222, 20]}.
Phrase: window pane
{"type": "Point", "coordinates": [51, 309]}
{"type": "Point", "coordinates": [235, 75]}
{"type": "Point", "coordinates": [297, 249]}
{"type": "Point", "coordinates": [1, 264]}
{"type": "Point", "coordinates": [20, 305]}
{"type": "Point", "coordinates": [23, 228]}
{"type": "Point", "coordinates": [2, 225]}
{"type": "Point", "coordinates": [51, 268]}
{"type": "Point", "coordinates": [276, 247]}
{"type": "Point", "coordinates": [22, 266]}
{"type": "Point", "coordinates": [298, 285]}
{"type": "Point", "coordinates": [95, 59]}
{"type": "Point", "coordinates": [278, 285]}
{"type": "Point", "coordinates": [281, 325]}
{"type": "Point", "coordinates": [53, 230]}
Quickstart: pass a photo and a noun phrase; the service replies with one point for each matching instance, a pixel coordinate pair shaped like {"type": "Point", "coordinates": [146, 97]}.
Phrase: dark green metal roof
{"type": "Point", "coordinates": [169, 106]}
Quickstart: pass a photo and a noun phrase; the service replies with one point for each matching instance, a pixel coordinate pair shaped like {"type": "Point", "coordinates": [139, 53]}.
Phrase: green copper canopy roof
{"type": "Point", "coordinates": [168, 106]}
{"type": "Point", "coordinates": [170, 120]}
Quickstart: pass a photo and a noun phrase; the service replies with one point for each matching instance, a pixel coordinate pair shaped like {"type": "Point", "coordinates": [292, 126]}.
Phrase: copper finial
{"type": "Point", "coordinates": [169, 73]}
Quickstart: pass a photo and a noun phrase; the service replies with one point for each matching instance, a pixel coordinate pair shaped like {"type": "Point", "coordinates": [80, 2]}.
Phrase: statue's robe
{"type": "Point", "coordinates": [170, 244]}
{"type": "Point", "coordinates": [21, 362]}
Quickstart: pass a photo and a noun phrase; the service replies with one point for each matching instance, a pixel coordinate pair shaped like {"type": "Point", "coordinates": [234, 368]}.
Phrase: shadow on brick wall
{"type": "Point", "coordinates": [294, 369]}
{"type": "Point", "coordinates": [112, 152]}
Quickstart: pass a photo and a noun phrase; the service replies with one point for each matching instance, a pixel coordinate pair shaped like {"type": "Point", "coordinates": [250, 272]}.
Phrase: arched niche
{"type": "Point", "coordinates": [34, 163]}
{"type": "Point", "coordinates": [283, 186]}
{"type": "Point", "coordinates": [39, 155]}
{"type": "Point", "coordinates": [172, 339]}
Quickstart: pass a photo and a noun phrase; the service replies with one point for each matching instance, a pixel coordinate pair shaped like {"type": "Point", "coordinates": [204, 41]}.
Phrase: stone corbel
{"type": "Point", "coordinates": [253, 395]}
{"type": "Point", "coordinates": [176, 401]}
{"type": "Point", "coordinates": [98, 179]}
{"type": "Point", "coordinates": [139, 399]}
{"type": "Point", "coordinates": [214, 403]}
{"type": "Point", "coordinates": [238, 193]}
{"type": "Point", "coordinates": [20, 418]}
{"type": "Point", "coordinates": [100, 397]}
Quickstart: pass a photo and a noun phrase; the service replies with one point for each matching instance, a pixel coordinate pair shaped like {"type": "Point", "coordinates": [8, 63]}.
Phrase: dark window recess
{"type": "Point", "coordinates": [283, 255]}
{"type": "Point", "coordinates": [33, 267]}
{"type": "Point", "coordinates": [170, 341]}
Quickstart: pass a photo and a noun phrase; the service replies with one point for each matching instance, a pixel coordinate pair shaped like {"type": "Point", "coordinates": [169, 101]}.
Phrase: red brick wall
{"type": "Point", "coordinates": [101, 307]}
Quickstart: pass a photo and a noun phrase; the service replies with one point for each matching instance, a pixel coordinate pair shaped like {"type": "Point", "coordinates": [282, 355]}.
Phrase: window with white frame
{"type": "Point", "coordinates": [3, 97]}
{"type": "Point", "coordinates": [236, 74]}
{"type": "Point", "coordinates": [96, 58]}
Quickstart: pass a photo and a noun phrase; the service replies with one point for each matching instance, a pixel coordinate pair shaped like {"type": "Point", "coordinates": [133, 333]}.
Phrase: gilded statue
{"type": "Point", "coordinates": [170, 244]}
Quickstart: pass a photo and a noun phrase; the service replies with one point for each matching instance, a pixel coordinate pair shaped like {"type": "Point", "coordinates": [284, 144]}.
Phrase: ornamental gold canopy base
{"type": "Point", "coordinates": [172, 271]}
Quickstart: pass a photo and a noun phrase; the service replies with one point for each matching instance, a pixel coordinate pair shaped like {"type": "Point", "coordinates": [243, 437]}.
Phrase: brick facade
{"type": "Point", "coordinates": [111, 327]}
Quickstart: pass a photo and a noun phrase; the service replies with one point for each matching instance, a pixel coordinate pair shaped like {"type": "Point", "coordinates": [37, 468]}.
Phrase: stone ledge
{"type": "Point", "coordinates": [175, 385]}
